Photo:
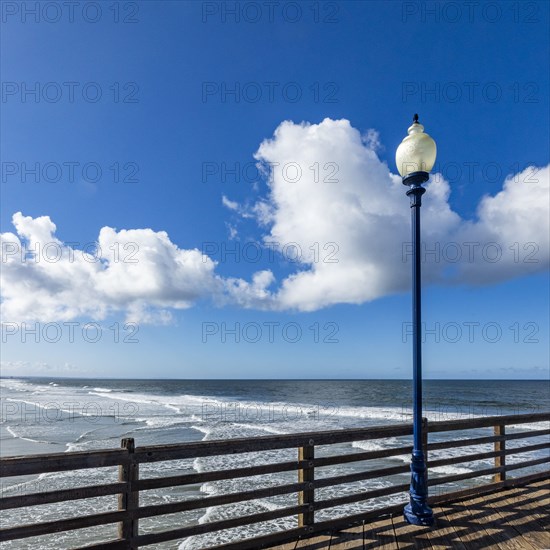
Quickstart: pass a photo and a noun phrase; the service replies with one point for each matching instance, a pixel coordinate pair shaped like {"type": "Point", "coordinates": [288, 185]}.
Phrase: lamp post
{"type": "Point", "coordinates": [415, 157]}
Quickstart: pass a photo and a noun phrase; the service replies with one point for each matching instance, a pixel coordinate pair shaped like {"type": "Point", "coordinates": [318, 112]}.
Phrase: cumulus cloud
{"type": "Point", "coordinates": [330, 197]}
{"type": "Point", "coordinates": [139, 272]}
{"type": "Point", "coordinates": [352, 201]}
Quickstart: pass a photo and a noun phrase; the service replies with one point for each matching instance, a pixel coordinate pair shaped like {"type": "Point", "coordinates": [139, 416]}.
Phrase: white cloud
{"type": "Point", "coordinates": [139, 272]}
{"type": "Point", "coordinates": [232, 205]}
{"type": "Point", "coordinates": [251, 295]}
{"type": "Point", "coordinates": [28, 368]}
{"type": "Point", "coordinates": [233, 232]}
{"type": "Point", "coordinates": [349, 217]}
{"type": "Point", "coordinates": [517, 221]}
{"type": "Point", "coordinates": [371, 139]}
{"type": "Point", "coordinates": [365, 214]}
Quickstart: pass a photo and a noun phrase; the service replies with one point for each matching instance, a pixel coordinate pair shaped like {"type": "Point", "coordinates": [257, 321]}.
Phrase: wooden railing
{"type": "Point", "coordinates": [130, 484]}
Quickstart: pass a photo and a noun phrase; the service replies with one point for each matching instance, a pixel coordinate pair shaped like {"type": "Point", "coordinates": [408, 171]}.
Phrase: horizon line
{"type": "Point", "coordinates": [278, 379]}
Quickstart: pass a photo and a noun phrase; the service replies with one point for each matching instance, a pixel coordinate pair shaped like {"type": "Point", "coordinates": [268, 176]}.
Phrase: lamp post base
{"type": "Point", "coordinates": [418, 514]}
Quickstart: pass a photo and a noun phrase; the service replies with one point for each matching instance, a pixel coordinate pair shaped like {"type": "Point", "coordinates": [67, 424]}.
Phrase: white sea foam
{"type": "Point", "coordinates": [367, 445]}
{"type": "Point", "coordinates": [450, 470]}
{"type": "Point", "coordinates": [18, 436]}
{"type": "Point", "coordinates": [224, 417]}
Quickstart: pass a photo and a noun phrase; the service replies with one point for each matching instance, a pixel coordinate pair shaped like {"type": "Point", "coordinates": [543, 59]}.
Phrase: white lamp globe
{"type": "Point", "coordinates": [417, 151]}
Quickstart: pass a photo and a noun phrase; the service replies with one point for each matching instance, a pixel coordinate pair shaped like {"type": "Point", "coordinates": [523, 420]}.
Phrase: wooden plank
{"type": "Point", "coordinates": [462, 458]}
{"type": "Point", "coordinates": [487, 422]}
{"type": "Point", "coordinates": [203, 477]}
{"type": "Point", "coordinates": [361, 476]}
{"type": "Point", "coordinates": [527, 464]}
{"type": "Point", "coordinates": [320, 527]}
{"type": "Point", "coordinates": [57, 462]}
{"type": "Point", "coordinates": [443, 534]}
{"type": "Point", "coordinates": [210, 527]}
{"type": "Point", "coordinates": [321, 542]}
{"type": "Point", "coordinates": [488, 522]}
{"type": "Point", "coordinates": [57, 526]}
{"type": "Point", "coordinates": [500, 451]}
{"type": "Point", "coordinates": [380, 534]}
{"type": "Point", "coordinates": [465, 531]}
{"type": "Point", "coordinates": [36, 499]}
{"type": "Point", "coordinates": [454, 496]}
{"type": "Point", "coordinates": [359, 457]}
{"type": "Point", "coordinates": [488, 439]}
{"type": "Point", "coordinates": [525, 517]}
{"type": "Point", "coordinates": [487, 471]}
{"type": "Point", "coordinates": [527, 448]}
{"type": "Point", "coordinates": [348, 539]}
{"type": "Point", "coordinates": [218, 500]}
{"type": "Point", "coordinates": [358, 497]}
{"type": "Point", "coordinates": [470, 525]}
{"type": "Point", "coordinates": [129, 505]}
{"type": "Point", "coordinates": [306, 476]}
{"type": "Point", "coordinates": [128, 501]}
{"type": "Point", "coordinates": [542, 485]}
{"type": "Point", "coordinates": [500, 456]}
{"type": "Point", "coordinates": [216, 475]}
{"type": "Point", "coordinates": [286, 540]}
{"type": "Point", "coordinates": [155, 453]}
{"type": "Point", "coordinates": [270, 442]}
{"type": "Point", "coordinates": [410, 536]}
{"type": "Point", "coordinates": [25, 465]}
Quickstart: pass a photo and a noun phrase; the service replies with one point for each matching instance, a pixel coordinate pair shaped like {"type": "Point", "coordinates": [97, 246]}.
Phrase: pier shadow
{"type": "Point", "coordinates": [511, 519]}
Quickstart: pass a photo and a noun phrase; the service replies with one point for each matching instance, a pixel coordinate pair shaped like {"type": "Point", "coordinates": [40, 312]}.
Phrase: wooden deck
{"type": "Point", "coordinates": [511, 515]}
{"type": "Point", "coordinates": [511, 519]}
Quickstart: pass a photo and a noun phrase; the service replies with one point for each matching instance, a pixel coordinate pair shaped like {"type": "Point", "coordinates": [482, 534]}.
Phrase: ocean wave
{"type": "Point", "coordinates": [368, 445]}
{"type": "Point", "coordinates": [14, 434]}
{"type": "Point", "coordinates": [450, 470]}
{"type": "Point", "coordinates": [160, 422]}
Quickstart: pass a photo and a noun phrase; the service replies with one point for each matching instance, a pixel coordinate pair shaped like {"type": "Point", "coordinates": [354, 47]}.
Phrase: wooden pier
{"type": "Point", "coordinates": [507, 519]}
{"type": "Point", "coordinates": [501, 510]}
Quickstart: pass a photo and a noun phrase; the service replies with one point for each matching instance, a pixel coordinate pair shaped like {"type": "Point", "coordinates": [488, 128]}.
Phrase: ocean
{"type": "Point", "coordinates": [47, 415]}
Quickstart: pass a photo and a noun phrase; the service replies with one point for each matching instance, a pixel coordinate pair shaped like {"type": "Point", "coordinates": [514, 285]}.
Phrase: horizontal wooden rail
{"type": "Point", "coordinates": [216, 475]}
{"type": "Point", "coordinates": [58, 526]}
{"type": "Point", "coordinates": [207, 502]}
{"type": "Point", "coordinates": [482, 456]}
{"type": "Point", "coordinates": [361, 476]}
{"type": "Point", "coordinates": [487, 422]}
{"type": "Point", "coordinates": [358, 497]}
{"type": "Point", "coordinates": [211, 527]}
{"type": "Point", "coordinates": [60, 462]}
{"type": "Point", "coordinates": [481, 440]}
{"type": "Point", "coordinates": [486, 472]}
{"type": "Point", "coordinates": [130, 485]}
{"type": "Point", "coordinates": [159, 453]}
{"type": "Point", "coordinates": [62, 495]}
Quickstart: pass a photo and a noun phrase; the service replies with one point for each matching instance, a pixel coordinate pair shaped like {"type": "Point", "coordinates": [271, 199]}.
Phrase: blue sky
{"type": "Point", "coordinates": [188, 93]}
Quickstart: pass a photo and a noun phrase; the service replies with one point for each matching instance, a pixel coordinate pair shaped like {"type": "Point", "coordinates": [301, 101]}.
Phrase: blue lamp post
{"type": "Point", "coordinates": [415, 157]}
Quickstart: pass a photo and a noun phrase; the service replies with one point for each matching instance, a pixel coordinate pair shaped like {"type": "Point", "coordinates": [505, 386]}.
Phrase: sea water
{"type": "Point", "coordinates": [40, 415]}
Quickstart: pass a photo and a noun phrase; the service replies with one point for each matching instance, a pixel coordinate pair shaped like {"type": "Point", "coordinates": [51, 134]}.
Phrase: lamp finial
{"type": "Point", "coordinates": [415, 119]}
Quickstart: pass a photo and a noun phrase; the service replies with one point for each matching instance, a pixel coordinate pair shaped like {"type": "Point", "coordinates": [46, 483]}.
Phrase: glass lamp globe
{"type": "Point", "coordinates": [416, 153]}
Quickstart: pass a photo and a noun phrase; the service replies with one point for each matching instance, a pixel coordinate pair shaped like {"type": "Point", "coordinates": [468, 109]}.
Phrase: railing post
{"type": "Point", "coordinates": [500, 447]}
{"type": "Point", "coordinates": [129, 499]}
{"type": "Point", "coordinates": [306, 475]}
